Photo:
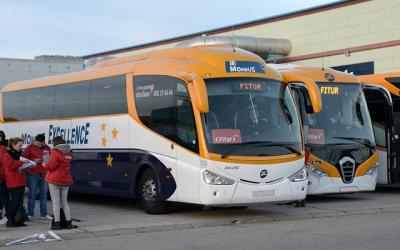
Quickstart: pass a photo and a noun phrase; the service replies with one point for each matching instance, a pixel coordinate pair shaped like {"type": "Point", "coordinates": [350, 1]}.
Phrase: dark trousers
{"type": "Point", "coordinates": [1, 204]}
{"type": "Point", "coordinates": [4, 198]}
{"type": "Point", "coordinates": [17, 201]}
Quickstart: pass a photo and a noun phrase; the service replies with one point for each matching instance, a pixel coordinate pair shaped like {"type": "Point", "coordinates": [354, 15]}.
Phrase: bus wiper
{"type": "Point", "coordinates": [261, 144]}
{"type": "Point", "coordinates": [358, 140]}
{"type": "Point", "coordinates": [284, 145]}
{"type": "Point", "coordinates": [233, 149]}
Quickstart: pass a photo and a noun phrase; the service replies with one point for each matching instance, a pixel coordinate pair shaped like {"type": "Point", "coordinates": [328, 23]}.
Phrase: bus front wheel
{"type": "Point", "coordinates": [149, 194]}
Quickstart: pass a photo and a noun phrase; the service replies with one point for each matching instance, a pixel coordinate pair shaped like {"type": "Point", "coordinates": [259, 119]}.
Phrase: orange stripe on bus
{"type": "Point", "coordinates": [328, 168]}
{"type": "Point", "coordinates": [367, 165]}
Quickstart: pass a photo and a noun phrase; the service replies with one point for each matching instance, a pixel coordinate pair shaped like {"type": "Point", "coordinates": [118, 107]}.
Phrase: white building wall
{"type": "Point", "coordinates": [365, 23]}
{"type": "Point", "coordinates": [12, 70]}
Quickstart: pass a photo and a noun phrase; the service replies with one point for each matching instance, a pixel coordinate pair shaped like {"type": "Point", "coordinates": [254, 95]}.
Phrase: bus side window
{"type": "Point", "coordinates": [300, 100]}
{"type": "Point", "coordinates": [14, 106]}
{"type": "Point", "coordinates": [29, 104]}
{"type": "Point", "coordinates": [163, 105]}
{"type": "Point", "coordinates": [72, 100]}
{"type": "Point", "coordinates": [108, 96]}
{"type": "Point", "coordinates": [186, 126]}
{"type": "Point", "coordinates": [102, 96]}
{"type": "Point", "coordinates": [39, 103]}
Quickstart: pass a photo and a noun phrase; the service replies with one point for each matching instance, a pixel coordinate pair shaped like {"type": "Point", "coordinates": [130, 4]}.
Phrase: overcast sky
{"type": "Point", "coordinates": [70, 27]}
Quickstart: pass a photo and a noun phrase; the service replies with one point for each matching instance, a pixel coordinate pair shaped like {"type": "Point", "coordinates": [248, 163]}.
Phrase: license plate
{"type": "Point", "coordinates": [348, 189]}
{"type": "Point", "coordinates": [262, 193]}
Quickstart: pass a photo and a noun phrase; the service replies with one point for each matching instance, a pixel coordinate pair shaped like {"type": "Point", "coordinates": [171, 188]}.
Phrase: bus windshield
{"type": "Point", "coordinates": [251, 117]}
{"type": "Point", "coordinates": [344, 118]}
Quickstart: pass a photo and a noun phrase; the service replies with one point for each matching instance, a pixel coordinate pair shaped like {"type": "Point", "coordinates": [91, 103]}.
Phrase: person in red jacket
{"type": "Point", "coordinates": [59, 178]}
{"type": "Point", "coordinates": [4, 195]}
{"type": "Point", "coordinates": [35, 152]}
{"type": "Point", "coordinates": [15, 179]}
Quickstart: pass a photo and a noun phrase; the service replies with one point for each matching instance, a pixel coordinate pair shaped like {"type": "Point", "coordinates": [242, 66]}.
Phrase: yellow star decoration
{"type": "Point", "coordinates": [103, 126]}
{"type": "Point", "coordinates": [103, 141]}
{"type": "Point", "coordinates": [114, 133]}
{"type": "Point", "coordinates": [109, 159]}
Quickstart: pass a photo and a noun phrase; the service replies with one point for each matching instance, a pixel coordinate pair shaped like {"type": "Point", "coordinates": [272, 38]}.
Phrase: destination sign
{"type": "Point", "coordinates": [244, 66]}
{"type": "Point", "coordinates": [329, 90]}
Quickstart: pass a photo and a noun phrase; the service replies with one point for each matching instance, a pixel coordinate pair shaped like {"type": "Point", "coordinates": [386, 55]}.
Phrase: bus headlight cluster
{"type": "Point", "coordinates": [372, 170]}
{"type": "Point", "coordinates": [216, 179]}
{"type": "Point", "coordinates": [316, 171]}
{"type": "Point", "coordinates": [300, 175]}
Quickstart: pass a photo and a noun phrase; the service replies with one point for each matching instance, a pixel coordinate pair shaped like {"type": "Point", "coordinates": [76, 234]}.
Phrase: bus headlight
{"type": "Point", "coordinates": [372, 170]}
{"type": "Point", "coordinates": [216, 179]}
{"type": "Point", "coordinates": [300, 175]}
{"type": "Point", "coordinates": [316, 171]}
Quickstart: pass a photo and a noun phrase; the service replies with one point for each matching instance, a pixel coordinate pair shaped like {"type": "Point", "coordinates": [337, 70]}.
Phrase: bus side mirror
{"type": "Point", "coordinates": [200, 93]}
{"type": "Point", "coordinates": [312, 94]}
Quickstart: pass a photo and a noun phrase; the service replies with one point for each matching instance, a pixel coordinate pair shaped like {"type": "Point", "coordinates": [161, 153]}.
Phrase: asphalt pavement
{"type": "Point", "coordinates": [347, 221]}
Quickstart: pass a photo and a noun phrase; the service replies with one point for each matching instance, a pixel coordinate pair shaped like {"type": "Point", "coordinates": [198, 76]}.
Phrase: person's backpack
{"type": "Point", "coordinates": [21, 215]}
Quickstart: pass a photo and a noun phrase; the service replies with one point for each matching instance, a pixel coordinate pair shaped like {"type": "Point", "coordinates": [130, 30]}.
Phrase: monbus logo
{"type": "Point", "coordinates": [244, 66]}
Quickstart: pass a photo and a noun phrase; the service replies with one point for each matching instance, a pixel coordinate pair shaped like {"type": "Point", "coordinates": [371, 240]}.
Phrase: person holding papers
{"type": "Point", "coordinates": [15, 176]}
{"type": "Point", "coordinates": [35, 152]}
{"type": "Point", "coordinates": [59, 179]}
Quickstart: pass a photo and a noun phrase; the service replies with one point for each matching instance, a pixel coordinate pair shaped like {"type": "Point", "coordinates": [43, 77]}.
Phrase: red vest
{"type": "Point", "coordinates": [34, 153]}
{"type": "Point", "coordinates": [14, 179]}
{"type": "Point", "coordinates": [59, 168]}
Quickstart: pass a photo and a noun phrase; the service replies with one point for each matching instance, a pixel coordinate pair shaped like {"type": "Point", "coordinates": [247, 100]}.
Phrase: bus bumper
{"type": "Point", "coordinates": [242, 193]}
{"type": "Point", "coordinates": [334, 185]}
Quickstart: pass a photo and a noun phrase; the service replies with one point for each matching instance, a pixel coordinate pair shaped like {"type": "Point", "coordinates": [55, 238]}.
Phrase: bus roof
{"type": "Point", "coordinates": [206, 61]}
{"type": "Point", "coordinates": [318, 74]}
{"type": "Point", "coordinates": [390, 81]}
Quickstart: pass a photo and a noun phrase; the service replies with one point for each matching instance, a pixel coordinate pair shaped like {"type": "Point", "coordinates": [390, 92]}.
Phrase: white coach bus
{"type": "Point", "coordinates": [382, 92]}
{"type": "Point", "coordinates": [210, 125]}
{"type": "Point", "coordinates": [340, 144]}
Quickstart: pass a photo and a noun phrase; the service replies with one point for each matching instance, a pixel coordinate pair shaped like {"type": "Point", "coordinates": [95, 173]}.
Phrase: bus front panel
{"type": "Point", "coordinates": [340, 141]}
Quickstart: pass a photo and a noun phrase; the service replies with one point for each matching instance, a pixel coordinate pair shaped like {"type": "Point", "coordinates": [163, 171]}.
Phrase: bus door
{"type": "Point", "coordinates": [395, 140]}
{"type": "Point", "coordinates": [380, 108]}
{"type": "Point", "coordinates": [155, 100]}
{"type": "Point", "coordinates": [187, 159]}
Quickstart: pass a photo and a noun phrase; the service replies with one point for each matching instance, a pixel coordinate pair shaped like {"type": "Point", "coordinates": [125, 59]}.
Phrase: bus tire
{"type": "Point", "coordinates": [149, 194]}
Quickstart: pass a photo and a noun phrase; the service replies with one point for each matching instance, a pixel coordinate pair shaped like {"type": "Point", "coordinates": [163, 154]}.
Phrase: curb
{"type": "Point", "coordinates": [86, 234]}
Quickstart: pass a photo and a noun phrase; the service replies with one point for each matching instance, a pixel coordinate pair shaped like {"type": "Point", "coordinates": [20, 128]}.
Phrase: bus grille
{"type": "Point", "coordinates": [347, 168]}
